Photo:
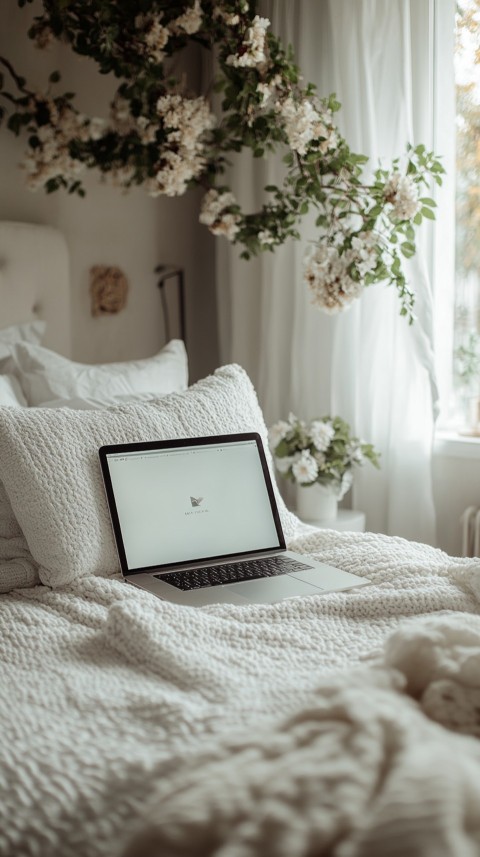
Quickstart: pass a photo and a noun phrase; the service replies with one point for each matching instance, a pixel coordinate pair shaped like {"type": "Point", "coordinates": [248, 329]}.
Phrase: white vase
{"type": "Point", "coordinates": [316, 503]}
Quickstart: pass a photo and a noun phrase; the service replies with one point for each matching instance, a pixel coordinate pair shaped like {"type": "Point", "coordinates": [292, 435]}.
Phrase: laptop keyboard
{"type": "Point", "coordinates": [232, 572]}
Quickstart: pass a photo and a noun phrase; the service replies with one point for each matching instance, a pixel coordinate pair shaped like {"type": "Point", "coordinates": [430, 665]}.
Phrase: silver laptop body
{"type": "Point", "coordinates": [196, 522]}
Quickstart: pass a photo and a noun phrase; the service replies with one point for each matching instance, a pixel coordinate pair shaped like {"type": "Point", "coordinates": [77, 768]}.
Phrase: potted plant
{"type": "Point", "coordinates": [319, 458]}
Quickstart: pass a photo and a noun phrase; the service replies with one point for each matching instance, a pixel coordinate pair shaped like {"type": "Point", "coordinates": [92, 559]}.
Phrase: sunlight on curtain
{"type": "Point", "coordinates": [367, 365]}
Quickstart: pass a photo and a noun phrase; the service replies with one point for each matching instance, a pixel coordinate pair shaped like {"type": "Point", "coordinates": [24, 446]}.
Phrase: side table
{"type": "Point", "coordinates": [347, 519]}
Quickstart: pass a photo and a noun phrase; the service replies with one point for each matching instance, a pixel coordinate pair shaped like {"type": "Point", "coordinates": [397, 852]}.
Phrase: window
{"type": "Point", "coordinates": [465, 397]}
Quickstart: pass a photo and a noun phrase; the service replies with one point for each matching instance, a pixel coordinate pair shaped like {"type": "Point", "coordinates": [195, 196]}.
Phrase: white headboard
{"type": "Point", "coordinates": [35, 280]}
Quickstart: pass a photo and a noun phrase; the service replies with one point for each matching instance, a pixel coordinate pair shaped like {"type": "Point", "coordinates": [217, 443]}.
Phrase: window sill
{"type": "Point", "coordinates": [453, 445]}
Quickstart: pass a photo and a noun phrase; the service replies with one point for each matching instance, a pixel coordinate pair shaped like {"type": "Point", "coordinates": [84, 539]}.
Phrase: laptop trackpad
{"type": "Point", "coordinates": [269, 590]}
{"type": "Point", "coordinates": [329, 579]}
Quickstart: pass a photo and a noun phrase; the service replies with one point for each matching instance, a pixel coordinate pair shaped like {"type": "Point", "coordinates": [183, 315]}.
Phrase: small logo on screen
{"type": "Point", "coordinates": [196, 501]}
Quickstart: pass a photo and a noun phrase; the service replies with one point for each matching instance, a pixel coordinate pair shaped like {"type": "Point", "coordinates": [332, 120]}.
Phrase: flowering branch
{"type": "Point", "coordinates": [164, 138]}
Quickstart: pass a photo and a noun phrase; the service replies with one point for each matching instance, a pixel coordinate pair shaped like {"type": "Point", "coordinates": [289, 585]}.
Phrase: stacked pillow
{"type": "Point", "coordinates": [16, 566]}
{"type": "Point", "coordinates": [32, 375]}
{"type": "Point", "coordinates": [48, 378]}
{"type": "Point", "coordinates": [50, 467]}
{"type": "Point", "coordinates": [30, 333]}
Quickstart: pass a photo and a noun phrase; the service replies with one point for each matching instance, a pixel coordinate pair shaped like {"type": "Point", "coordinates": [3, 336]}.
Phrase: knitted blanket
{"type": "Point", "coordinates": [120, 712]}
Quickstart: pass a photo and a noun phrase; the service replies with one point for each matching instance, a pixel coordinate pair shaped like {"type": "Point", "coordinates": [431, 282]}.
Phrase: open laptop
{"type": "Point", "coordinates": [196, 522]}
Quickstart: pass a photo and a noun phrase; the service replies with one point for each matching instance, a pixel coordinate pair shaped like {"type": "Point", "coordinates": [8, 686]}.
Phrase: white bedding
{"type": "Point", "coordinates": [112, 699]}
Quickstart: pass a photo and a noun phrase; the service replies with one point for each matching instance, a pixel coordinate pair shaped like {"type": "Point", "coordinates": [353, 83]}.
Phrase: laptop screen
{"type": "Point", "coordinates": [184, 503]}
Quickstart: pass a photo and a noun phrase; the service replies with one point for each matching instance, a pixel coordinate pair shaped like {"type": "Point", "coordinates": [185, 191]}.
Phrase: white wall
{"type": "Point", "coordinates": [109, 227]}
{"type": "Point", "coordinates": [456, 485]}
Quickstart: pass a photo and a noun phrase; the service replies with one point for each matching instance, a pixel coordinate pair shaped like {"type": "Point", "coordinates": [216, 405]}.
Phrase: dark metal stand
{"type": "Point", "coordinates": [166, 272]}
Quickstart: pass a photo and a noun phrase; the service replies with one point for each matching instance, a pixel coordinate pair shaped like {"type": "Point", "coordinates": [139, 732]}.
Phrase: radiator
{"type": "Point", "coordinates": [470, 522]}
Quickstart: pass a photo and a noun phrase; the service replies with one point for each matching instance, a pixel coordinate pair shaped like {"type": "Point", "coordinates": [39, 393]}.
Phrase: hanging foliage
{"type": "Point", "coordinates": [159, 135]}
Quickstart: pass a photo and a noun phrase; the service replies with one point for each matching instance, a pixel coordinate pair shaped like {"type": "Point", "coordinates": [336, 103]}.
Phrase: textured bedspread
{"type": "Point", "coordinates": [234, 727]}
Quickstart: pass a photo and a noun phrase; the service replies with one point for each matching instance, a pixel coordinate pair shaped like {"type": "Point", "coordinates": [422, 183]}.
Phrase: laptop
{"type": "Point", "coordinates": [196, 522]}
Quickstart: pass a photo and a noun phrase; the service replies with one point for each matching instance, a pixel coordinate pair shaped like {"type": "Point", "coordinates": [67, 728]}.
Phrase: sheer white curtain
{"type": "Point", "coordinates": [367, 364]}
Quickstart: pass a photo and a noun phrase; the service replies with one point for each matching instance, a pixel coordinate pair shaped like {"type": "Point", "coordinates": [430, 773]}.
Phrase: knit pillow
{"type": "Point", "coordinates": [50, 468]}
{"type": "Point", "coordinates": [16, 566]}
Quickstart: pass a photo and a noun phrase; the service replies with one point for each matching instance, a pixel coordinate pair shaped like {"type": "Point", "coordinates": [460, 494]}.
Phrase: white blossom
{"type": "Point", "coordinates": [265, 237]}
{"type": "Point", "coordinates": [277, 433]}
{"type": "Point", "coordinates": [330, 269]}
{"type": "Point", "coordinates": [147, 131]}
{"type": "Point", "coordinates": [154, 36]}
{"type": "Point", "coordinates": [252, 51]}
{"type": "Point", "coordinates": [345, 484]}
{"type": "Point", "coordinates": [284, 464]}
{"type": "Point", "coordinates": [185, 121]}
{"type": "Point", "coordinates": [321, 459]}
{"type": "Point", "coordinates": [97, 128]}
{"type": "Point", "coordinates": [214, 213]}
{"type": "Point", "coordinates": [354, 451]}
{"type": "Point", "coordinates": [267, 90]}
{"type": "Point", "coordinates": [176, 170]}
{"type": "Point", "coordinates": [120, 116]}
{"type": "Point", "coordinates": [44, 36]}
{"type": "Point", "coordinates": [305, 468]}
{"type": "Point", "coordinates": [402, 193]}
{"type": "Point", "coordinates": [122, 176]}
{"type": "Point", "coordinates": [51, 158]}
{"type": "Point", "coordinates": [304, 124]}
{"type": "Point", "coordinates": [364, 253]}
{"type": "Point", "coordinates": [191, 20]}
{"type": "Point", "coordinates": [229, 18]}
{"type": "Point", "coordinates": [321, 433]}
{"type": "Point", "coordinates": [327, 275]}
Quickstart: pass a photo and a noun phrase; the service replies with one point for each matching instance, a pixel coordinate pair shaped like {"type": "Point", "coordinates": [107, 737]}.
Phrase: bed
{"type": "Point", "coordinates": [345, 724]}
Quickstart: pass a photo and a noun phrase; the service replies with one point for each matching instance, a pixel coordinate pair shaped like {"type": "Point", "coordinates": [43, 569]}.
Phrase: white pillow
{"type": "Point", "coordinates": [31, 331]}
{"type": "Point", "coordinates": [91, 404]}
{"type": "Point", "coordinates": [45, 376]}
{"type": "Point", "coordinates": [50, 468]}
{"type": "Point", "coordinates": [11, 392]}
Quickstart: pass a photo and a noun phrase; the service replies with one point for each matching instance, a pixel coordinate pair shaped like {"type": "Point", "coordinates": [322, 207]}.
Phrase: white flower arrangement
{"type": "Point", "coordinates": [160, 135]}
{"type": "Point", "coordinates": [322, 451]}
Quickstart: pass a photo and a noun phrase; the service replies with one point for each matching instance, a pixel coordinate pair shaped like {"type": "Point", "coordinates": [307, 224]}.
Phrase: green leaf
{"type": "Point", "coordinates": [15, 122]}
{"type": "Point", "coordinates": [426, 200]}
{"type": "Point", "coordinates": [407, 249]}
{"type": "Point", "coordinates": [427, 212]}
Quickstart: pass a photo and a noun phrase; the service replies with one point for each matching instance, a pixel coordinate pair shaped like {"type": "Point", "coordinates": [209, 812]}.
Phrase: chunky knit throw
{"type": "Point", "coordinates": [337, 724]}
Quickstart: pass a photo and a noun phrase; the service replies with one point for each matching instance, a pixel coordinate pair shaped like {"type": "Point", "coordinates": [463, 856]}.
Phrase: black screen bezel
{"type": "Point", "coordinates": [212, 440]}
